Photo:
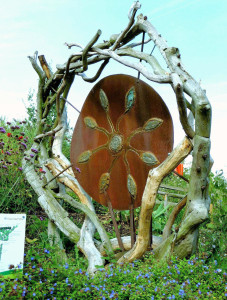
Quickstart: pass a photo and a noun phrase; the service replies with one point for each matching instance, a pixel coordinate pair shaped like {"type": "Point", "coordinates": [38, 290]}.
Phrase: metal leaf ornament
{"type": "Point", "coordinates": [130, 99]}
{"type": "Point", "coordinates": [104, 182]}
{"type": "Point", "coordinates": [149, 158]}
{"type": "Point", "coordinates": [90, 122]}
{"type": "Point", "coordinates": [131, 185]}
{"type": "Point", "coordinates": [152, 124]}
{"type": "Point", "coordinates": [104, 100]}
{"type": "Point", "coordinates": [84, 157]}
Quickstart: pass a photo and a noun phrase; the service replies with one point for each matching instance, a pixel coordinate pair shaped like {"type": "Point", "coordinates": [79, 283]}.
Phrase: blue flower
{"type": "Point", "coordinates": [218, 270]}
{"type": "Point", "coordinates": [0, 289]}
{"type": "Point", "coordinates": [34, 294]}
{"type": "Point", "coordinates": [67, 280]}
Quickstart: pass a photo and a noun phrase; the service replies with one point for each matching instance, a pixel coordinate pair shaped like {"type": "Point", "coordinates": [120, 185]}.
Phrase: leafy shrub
{"type": "Point", "coordinates": [16, 195]}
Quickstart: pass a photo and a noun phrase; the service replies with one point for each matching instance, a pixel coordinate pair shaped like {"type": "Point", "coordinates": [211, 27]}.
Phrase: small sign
{"type": "Point", "coordinates": [12, 236]}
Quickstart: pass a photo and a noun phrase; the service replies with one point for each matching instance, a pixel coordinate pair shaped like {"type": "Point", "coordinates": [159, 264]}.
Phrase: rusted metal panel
{"type": "Point", "coordinates": [123, 131]}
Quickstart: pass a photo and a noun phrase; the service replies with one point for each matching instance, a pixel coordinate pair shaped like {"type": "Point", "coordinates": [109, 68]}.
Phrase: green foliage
{"type": "Point", "coordinates": [16, 195]}
{"type": "Point", "coordinates": [213, 239]}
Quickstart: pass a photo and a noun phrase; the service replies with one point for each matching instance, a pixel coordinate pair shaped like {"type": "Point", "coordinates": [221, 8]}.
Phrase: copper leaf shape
{"type": "Point", "coordinates": [149, 158]}
{"type": "Point", "coordinates": [90, 122]}
{"type": "Point", "coordinates": [152, 123]}
{"type": "Point", "coordinates": [84, 157]}
{"type": "Point", "coordinates": [131, 185]}
{"type": "Point", "coordinates": [104, 100]}
{"type": "Point", "coordinates": [104, 182]}
{"type": "Point", "coordinates": [130, 99]}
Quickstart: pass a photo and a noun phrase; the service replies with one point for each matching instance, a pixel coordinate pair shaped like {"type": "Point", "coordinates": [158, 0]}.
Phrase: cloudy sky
{"type": "Point", "coordinates": [196, 27]}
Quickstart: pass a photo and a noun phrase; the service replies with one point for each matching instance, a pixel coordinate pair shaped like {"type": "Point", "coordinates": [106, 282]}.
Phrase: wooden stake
{"type": "Point", "coordinates": [132, 225]}
{"type": "Point", "coordinates": [114, 222]}
{"type": "Point", "coordinates": [151, 234]}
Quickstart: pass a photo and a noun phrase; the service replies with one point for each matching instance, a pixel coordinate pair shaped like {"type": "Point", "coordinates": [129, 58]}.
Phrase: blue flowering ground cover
{"type": "Point", "coordinates": [45, 278]}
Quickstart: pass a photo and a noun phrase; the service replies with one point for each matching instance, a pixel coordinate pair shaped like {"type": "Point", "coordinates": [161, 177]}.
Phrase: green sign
{"type": "Point", "coordinates": [12, 236]}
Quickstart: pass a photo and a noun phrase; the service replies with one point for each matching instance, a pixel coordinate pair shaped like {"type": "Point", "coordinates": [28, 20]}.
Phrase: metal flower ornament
{"type": "Point", "coordinates": [117, 145]}
{"type": "Point", "coordinates": [124, 129]}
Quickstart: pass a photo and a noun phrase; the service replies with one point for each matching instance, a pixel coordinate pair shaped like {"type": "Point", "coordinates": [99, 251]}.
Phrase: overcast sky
{"type": "Point", "coordinates": [196, 27]}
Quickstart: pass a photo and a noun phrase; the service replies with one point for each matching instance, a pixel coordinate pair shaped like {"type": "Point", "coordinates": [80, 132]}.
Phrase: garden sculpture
{"type": "Point", "coordinates": [195, 117]}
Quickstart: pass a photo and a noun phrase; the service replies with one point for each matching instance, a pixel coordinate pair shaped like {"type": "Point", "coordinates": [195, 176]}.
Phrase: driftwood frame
{"type": "Point", "coordinates": [53, 90]}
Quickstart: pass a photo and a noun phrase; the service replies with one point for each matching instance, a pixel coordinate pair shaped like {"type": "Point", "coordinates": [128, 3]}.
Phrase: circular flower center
{"type": "Point", "coordinates": [116, 143]}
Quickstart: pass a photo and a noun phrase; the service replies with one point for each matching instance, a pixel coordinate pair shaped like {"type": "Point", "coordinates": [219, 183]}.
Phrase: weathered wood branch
{"type": "Point", "coordinates": [178, 88]}
{"type": "Point", "coordinates": [88, 47]}
{"type": "Point", "coordinates": [150, 59]}
{"type": "Point", "coordinates": [45, 66]}
{"type": "Point", "coordinates": [86, 241]}
{"type": "Point", "coordinates": [97, 75]}
{"type": "Point", "coordinates": [49, 133]}
{"type": "Point", "coordinates": [48, 202]}
{"type": "Point", "coordinates": [126, 240]}
{"type": "Point", "coordinates": [149, 196]}
{"type": "Point", "coordinates": [93, 217]}
{"type": "Point", "coordinates": [35, 65]}
{"type": "Point", "coordinates": [137, 66]}
{"type": "Point", "coordinates": [167, 229]}
{"type": "Point", "coordinates": [134, 9]}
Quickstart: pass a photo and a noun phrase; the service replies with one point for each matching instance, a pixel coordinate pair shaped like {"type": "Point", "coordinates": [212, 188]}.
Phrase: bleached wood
{"type": "Point", "coordinates": [149, 196]}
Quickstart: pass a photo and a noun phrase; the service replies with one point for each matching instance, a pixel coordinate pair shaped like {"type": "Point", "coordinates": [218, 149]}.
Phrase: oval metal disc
{"type": "Point", "coordinates": [123, 131]}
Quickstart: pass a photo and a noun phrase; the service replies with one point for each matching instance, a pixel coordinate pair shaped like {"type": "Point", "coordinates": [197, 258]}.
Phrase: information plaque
{"type": "Point", "coordinates": [12, 236]}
